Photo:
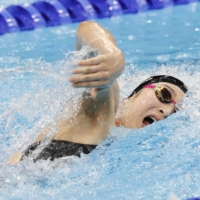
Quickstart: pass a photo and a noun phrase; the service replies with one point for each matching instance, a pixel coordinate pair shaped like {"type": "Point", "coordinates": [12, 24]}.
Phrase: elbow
{"type": "Point", "coordinates": [85, 25]}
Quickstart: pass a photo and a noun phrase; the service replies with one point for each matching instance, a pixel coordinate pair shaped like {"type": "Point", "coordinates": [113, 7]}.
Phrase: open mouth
{"type": "Point", "coordinates": [148, 120]}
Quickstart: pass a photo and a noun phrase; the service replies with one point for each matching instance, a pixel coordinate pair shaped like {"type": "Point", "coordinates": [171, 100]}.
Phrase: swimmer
{"type": "Point", "coordinates": [153, 100]}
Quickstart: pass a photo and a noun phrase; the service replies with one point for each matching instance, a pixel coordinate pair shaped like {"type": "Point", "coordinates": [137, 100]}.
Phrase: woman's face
{"type": "Point", "coordinates": [144, 108]}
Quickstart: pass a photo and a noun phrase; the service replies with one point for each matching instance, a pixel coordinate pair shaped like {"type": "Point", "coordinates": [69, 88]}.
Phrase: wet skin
{"type": "Point", "coordinates": [96, 112]}
{"type": "Point", "coordinates": [146, 104]}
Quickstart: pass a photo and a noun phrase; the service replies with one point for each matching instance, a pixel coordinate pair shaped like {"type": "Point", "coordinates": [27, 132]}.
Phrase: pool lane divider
{"type": "Point", "coordinates": [57, 12]}
{"type": "Point", "coordinates": [46, 13]}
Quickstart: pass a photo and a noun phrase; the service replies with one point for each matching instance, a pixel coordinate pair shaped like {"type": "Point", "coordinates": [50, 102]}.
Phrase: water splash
{"type": "Point", "coordinates": [38, 93]}
{"type": "Point", "coordinates": [125, 154]}
{"type": "Point", "coordinates": [160, 161]}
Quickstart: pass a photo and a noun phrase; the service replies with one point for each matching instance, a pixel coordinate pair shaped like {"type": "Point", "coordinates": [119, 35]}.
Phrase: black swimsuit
{"type": "Point", "coordinates": [58, 149]}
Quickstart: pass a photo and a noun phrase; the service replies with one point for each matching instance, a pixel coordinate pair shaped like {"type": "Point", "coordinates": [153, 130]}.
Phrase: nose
{"type": "Point", "coordinates": [166, 109]}
{"type": "Point", "coordinates": [161, 111]}
{"type": "Point", "coordinates": [163, 114]}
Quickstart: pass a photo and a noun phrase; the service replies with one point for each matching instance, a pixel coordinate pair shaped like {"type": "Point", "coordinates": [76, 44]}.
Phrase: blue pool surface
{"type": "Point", "coordinates": [160, 162]}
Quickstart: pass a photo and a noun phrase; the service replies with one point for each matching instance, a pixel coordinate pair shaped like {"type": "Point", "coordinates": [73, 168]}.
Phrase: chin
{"type": "Point", "coordinates": [137, 126]}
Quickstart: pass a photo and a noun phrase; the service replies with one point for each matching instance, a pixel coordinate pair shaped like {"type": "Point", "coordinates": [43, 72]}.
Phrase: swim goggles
{"type": "Point", "coordinates": [162, 93]}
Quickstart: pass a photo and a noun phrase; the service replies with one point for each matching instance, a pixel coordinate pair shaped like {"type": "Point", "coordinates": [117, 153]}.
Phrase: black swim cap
{"type": "Point", "coordinates": [161, 78]}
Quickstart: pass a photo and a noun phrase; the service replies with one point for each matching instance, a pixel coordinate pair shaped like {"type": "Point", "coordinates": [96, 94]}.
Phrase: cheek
{"type": "Point", "coordinates": [149, 102]}
{"type": "Point", "coordinates": [141, 105]}
{"type": "Point", "coordinates": [140, 108]}
{"type": "Point", "coordinates": [132, 115]}
{"type": "Point", "coordinates": [179, 98]}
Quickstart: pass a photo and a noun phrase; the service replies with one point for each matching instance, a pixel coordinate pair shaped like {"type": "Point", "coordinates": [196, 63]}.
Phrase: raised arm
{"type": "Point", "coordinates": [97, 110]}
{"type": "Point", "coordinates": [94, 35]}
{"type": "Point", "coordinates": [101, 71]}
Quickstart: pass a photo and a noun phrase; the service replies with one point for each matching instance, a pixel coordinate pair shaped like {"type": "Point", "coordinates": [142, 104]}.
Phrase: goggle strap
{"type": "Point", "coordinates": [174, 102]}
{"type": "Point", "coordinates": [149, 86]}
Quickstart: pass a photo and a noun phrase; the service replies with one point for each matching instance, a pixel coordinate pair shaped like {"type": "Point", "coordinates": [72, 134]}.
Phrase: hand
{"type": "Point", "coordinates": [99, 72]}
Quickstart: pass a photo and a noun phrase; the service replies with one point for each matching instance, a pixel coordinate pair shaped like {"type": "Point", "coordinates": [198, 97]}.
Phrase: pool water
{"type": "Point", "coordinates": [160, 161]}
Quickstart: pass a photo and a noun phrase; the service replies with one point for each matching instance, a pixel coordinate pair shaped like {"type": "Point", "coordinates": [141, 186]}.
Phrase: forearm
{"type": "Point", "coordinates": [97, 37]}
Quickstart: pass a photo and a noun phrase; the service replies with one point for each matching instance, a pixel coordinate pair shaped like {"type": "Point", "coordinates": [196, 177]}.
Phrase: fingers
{"type": "Point", "coordinates": [96, 84]}
{"type": "Point", "coordinates": [102, 75]}
{"type": "Point", "coordinates": [90, 69]}
{"type": "Point", "coordinates": [94, 72]}
{"type": "Point", "coordinates": [92, 61]}
{"type": "Point", "coordinates": [86, 70]}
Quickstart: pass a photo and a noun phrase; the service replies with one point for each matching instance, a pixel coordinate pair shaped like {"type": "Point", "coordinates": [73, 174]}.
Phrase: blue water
{"type": "Point", "coordinates": [160, 161]}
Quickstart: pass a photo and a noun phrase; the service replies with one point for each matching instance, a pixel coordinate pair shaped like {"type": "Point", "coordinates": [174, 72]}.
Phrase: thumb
{"type": "Point", "coordinates": [94, 92]}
